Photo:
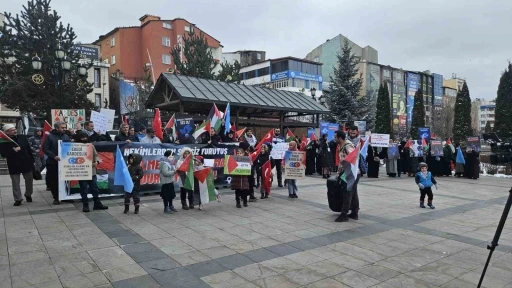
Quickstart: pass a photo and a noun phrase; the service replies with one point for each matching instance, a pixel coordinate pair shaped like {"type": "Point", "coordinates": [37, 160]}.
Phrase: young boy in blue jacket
{"type": "Point", "coordinates": [425, 181]}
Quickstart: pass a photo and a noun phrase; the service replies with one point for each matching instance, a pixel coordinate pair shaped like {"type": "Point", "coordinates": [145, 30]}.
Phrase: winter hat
{"type": "Point", "coordinates": [423, 164]}
{"type": "Point", "coordinates": [8, 127]}
{"type": "Point", "coordinates": [244, 145]}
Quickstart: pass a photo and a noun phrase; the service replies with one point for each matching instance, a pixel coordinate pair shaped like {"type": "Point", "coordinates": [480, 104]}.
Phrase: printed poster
{"type": "Point", "coordinates": [436, 148]}
{"type": "Point", "coordinates": [473, 142]}
{"type": "Point", "coordinates": [111, 115]}
{"type": "Point", "coordinates": [424, 132]}
{"type": "Point", "coordinates": [237, 165]}
{"type": "Point", "coordinates": [278, 150]}
{"type": "Point", "coordinates": [75, 161]}
{"type": "Point", "coordinates": [361, 126]}
{"type": "Point", "coordinates": [185, 129]}
{"type": "Point", "coordinates": [328, 129]}
{"type": "Point", "coordinates": [75, 118]}
{"type": "Point", "coordinates": [100, 121]}
{"type": "Point", "coordinates": [416, 147]}
{"type": "Point", "coordinates": [295, 164]}
{"type": "Point", "coordinates": [393, 152]}
{"type": "Point", "coordinates": [379, 140]}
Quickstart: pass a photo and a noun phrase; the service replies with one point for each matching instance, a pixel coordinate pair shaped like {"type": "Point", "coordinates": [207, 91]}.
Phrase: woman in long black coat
{"type": "Point", "coordinates": [373, 165]}
{"type": "Point", "coordinates": [404, 166]}
{"type": "Point", "coordinates": [446, 165]}
{"type": "Point", "coordinates": [311, 157]}
{"type": "Point", "coordinates": [472, 167]}
{"type": "Point", "coordinates": [326, 155]}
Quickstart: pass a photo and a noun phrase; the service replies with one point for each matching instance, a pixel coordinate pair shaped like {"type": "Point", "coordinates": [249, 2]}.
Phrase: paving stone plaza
{"type": "Point", "coordinates": [276, 242]}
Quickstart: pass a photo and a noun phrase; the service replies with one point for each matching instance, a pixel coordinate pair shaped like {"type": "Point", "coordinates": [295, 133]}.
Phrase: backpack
{"type": "Point", "coordinates": [363, 166]}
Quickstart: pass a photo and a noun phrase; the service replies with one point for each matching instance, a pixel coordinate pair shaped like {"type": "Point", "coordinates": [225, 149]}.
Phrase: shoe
{"type": "Point", "coordinates": [280, 185]}
{"type": "Point", "coordinates": [17, 203]}
{"type": "Point", "coordinates": [29, 199]}
{"type": "Point", "coordinates": [295, 196]}
{"type": "Point", "coordinates": [431, 206]}
{"type": "Point", "coordinates": [85, 208]}
{"type": "Point", "coordinates": [56, 202]}
{"type": "Point", "coordinates": [200, 206]}
{"type": "Point", "coordinates": [342, 218]}
{"type": "Point", "coordinates": [184, 206]}
{"type": "Point", "coordinates": [126, 208]}
{"type": "Point", "coordinates": [353, 215]}
{"type": "Point", "coordinates": [266, 196]}
{"type": "Point", "coordinates": [245, 202]}
{"type": "Point", "coordinates": [238, 204]}
{"type": "Point", "coordinates": [257, 186]}
{"type": "Point", "coordinates": [191, 206]}
{"type": "Point", "coordinates": [290, 196]}
{"type": "Point", "coordinates": [173, 209]}
{"type": "Point", "coordinates": [136, 209]}
{"type": "Point", "coordinates": [262, 196]}
{"type": "Point", "coordinates": [99, 206]}
{"type": "Point", "coordinates": [422, 205]}
{"type": "Point", "coordinates": [168, 210]}
{"type": "Point", "coordinates": [253, 199]}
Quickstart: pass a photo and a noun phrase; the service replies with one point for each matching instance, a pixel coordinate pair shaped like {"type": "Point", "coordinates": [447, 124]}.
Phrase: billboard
{"type": "Point", "coordinates": [87, 52]}
{"type": "Point", "coordinates": [372, 82]}
{"type": "Point", "coordinates": [399, 100]}
{"type": "Point", "coordinates": [128, 97]}
{"type": "Point", "coordinates": [438, 89]}
{"type": "Point", "coordinates": [412, 87]}
{"type": "Point", "coordinates": [295, 75]}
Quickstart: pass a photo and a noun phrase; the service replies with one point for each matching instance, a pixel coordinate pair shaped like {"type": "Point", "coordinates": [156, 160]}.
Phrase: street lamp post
{"type": "Point", "coordinates": [58, 70]}
{"type": "Point", "coordinates": [313, 93]}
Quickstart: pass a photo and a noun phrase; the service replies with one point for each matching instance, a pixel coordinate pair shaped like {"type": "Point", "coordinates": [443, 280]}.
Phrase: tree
{"type": "Point", "coordinates": [462, 119]}
{"type": "Point", "coordinates": [418, 113]}
{"type": "Point", "coordinates": [143, 86]}
{"type": "Point", "coordinates": [488, 128]}
{"type": "Point", "coordinates": [383, 118]}
{"type": "Point", "coordinates": [229, 72]}
{"type": "Point", "coordinates": [345, 87]}
{"type": "Point", "coordinates": [442, 125]}
{"type": "Point", "coordinates": [503, 112]}
{"type": "Point", "coordinates": [39, 31]}
{"type": "Point", "coordinates": [194, 57]}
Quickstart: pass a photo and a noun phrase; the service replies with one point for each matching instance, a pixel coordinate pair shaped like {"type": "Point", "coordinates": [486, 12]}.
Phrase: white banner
{"type": "Point", "coordinates": [380, 140]}
{"type": "Point", "coordinates": [100, 121]}
{"type": "Point", "coordinates": [111, 114]}
{"type": "Point", "coordinates": [278, 150]}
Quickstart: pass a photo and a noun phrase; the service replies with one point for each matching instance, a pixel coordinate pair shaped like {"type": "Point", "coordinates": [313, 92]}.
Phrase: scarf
{"type": "Point", "coordinates": [89, 133]}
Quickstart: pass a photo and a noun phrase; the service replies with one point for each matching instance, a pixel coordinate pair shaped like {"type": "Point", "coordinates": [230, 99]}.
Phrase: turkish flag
{"type": "Point", "coordinates": [449, 141]}
{"type": "Point", "coordinates": [266, 177]}
{"type": "Point", "coordinates": [268, 138]}
{"type": "Point", "coordinates": [313, 137]}
{"type": "Point", "coordinates": [303, 143]}
{"type": "Point", "coordinates": [46, 130]}
{"type": "Point", "coordinates": [255, 155]}
{"type": "Point", "coordinates": [157, 125]}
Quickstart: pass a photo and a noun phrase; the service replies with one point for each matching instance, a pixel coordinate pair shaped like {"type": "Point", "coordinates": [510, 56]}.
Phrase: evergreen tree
{"type": "Point", "coordinates": [488, 128]}
{"type": "Point", "coordinates": [195, 57]}
{"type": "Point", "coordinates": [345, 87]}
{"type": "Point", "coordinates": [383, 118]}
{"type": "Point", "coordinates": [229, 72]}
{"type": "Point", "coordinates": [418, 114]}
{"type": "Point", "coordinates": [462, 119]}
{"type": "Point", "coordinates": [503, 113]}
{"type": "Point", "coordinates": [38, 31]}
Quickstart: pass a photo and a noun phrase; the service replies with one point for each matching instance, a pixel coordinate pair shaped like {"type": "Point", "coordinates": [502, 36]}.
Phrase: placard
{"type": "Point", "coordinates": [75, 161]}
{"type": "Point", "coordinates": [436, 148]}
{"type": "Point", "coordinates": [111, 115]}
{"type": "Point", "coordinates": [185, 130]}
{"type": "Point", "coordinates": [424, 132]}
{"type": "Point", "coordinates": [393, 152]}
{"type": "Point", "coordinates": [294, 165]}
{"type": "Point", "coordinates": [100, 121]}
{"type": "Point", "coordinates": [473, 142]}
{"type": "Point", "coordinates": [75, 118]}
{"type": "Point", "coordinates": [379, 140]}
{"type": "Point", "coordinates": [361, 126]}
{"type": "Point", "coordinates": [278, 150]}
{"type": "Point", "coordinates": [416, 147]}
{"type": "Point", "coordinates": [237, 165]}
{"type": "Point", "coordinates": [328, 129]}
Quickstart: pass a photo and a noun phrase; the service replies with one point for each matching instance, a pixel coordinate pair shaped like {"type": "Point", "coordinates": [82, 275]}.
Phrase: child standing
{"type": "Point", "coordinates": [198, 165]}
{"type": "Point", "coordinates": [185, 152]}
{"type": "Point", "coordinates": [240, 184]}
{"type": "Point", "coordinates": [425, 181]}
{"type": "Point", "coordinates": [167, 172]}
{"type": "Point", "coordinates": [263, 158]}
{"type": "Point", "coordinates": [292, 183]}
{"type": "Point", "coordinates": [136, 173]}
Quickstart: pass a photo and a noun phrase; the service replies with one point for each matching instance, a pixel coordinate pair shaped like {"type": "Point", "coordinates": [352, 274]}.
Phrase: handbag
{"type": "Point", "coordinates": [36, 174]}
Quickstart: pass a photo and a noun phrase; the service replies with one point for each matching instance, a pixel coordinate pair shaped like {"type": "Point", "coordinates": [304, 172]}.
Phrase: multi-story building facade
{"type": "Point", "coordinates": [244, 57]}
{"type": "Point", "coordinates": [486, 114]}
{"type": "Point", "coordinates": [130, 49]}
{"type": "Point", "coordinates": [327, 53]}
{"type": "Point", "coordinates": [454, 83]}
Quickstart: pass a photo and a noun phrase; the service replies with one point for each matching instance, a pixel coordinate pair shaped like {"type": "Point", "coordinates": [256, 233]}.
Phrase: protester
{"type": "Point", "coordinates": [230, 137]}
{"type": "Point", "coordinates": [185, 152]}
{"type": "Point", "coordinates": [278, 138]}
{"type": "Point", "coordinates": [20, 161]}
{"type": "Point", "coordinates": [141, 134]}
{"type": "Point", "coordinates": [472, 166]}
{"type": "Point", "coordinates": [459, 162]}
{"type": "Point", "coordinates": [240, 184]}
{"type": "Point", "coordinates": [124, 135]}
{"type": "Point", "coordinates": [51, 150]}
{"type": "Point", "coordinates": [325, 157]}
{"type": "Point", "coordinates": [169, 138]}
{"type": "Point", "coordinates": [391, 162]}
{"type": "Point", "coordinates": [93, 135]}
{"type": "Point", "coordinates": [373, 161]}
{"type": "Point", "coordinates": [351, 198]}
{"type": "Point", "coordinates": [136, 173]}
{"type": "Point", "coordinates": [292, 183]}
{"type": "Point", "coordinates": [263, 157]}
{"type": "Point", "coordinates": [131, 132]}
{"type": "Point", "coordinates": [150, 137]}
{"type": "Point", "coordinates": [198, 165]}
{"type": "Point", "coordinates": [404, 157]}
{"type": "Point", "coordinates": [446, 160]}
{"type": "Point", "coordinates": [354, 137]}
{"type": "Point", "coordinates": [333, 145]}
{"type": "Point", "coordinates": [248, 149]}
{"type": "Point", "coordinates": [167, 172]}
{"type": "Point", "coordinates": [425, 181]}
{"type": "Point", "coordinates": [35, 145]}
{"type": "Point", "coordinates": [311, 153]}
{"type": "Point", "coordinates": [250, 138]}
{"type": "Point", "coordinates": [83, 137]}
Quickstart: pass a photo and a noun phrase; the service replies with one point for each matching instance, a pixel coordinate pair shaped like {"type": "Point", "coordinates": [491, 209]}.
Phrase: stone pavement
{"type": "Point", "coordinates": [278, 242]}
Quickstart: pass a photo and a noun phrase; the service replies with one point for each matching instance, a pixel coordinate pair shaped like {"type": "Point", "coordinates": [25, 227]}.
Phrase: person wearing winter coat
{"type": "Point", "coordinates": [292, 183]}
{"type": "Point", "coordinates": [446, 160]}
{"type": "Point", "coordinates": [250, 138]}
{"type": "Point", "coordinates": [51, 150]}
{"type": "Point", "coordinates": [184, 153]}
{"type": "Point", "coordinates": [263, 157]}
{"type": "Point", "coordinates": [167, 173]}
{"type": "Point", "coordinates": [136, 172]}
{"type": "Point", "coordinates": [35, 145]}
{"type": "Point", "coordinates": [311, 149]}
{"type": "Point", "coordinates": [240, 184]}
{"type": "Point", "coordinates": [425, 180]}
{"type": "Point", "coordinates": [326, 156]}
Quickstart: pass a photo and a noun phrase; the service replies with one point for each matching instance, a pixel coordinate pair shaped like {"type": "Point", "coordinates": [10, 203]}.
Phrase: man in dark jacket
{"type": "Point", "coordinates": [51, 149]}
{"type": "Point", "coordinates": [19, 161]}
{"type": "Point", "coordinates": [124, 136]}
{"type": "Point", "coordinates": [93, 135]}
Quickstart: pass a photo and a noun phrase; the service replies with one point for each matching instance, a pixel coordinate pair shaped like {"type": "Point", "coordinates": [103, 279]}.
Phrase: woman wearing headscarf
{"type": "Point", "coordinates": [326, 156]}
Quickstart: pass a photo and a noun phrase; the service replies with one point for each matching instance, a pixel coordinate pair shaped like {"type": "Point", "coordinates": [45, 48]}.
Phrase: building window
{"type": "Point", "coordinates": [166, 41]}
{"type": "Point", "coordinates": [251, 74]}
{"type": "Point", "coordinates": [167, 25]}
{"type": "Point", "coordinates": [280, 66]}
{"type": "Point", "coordinates": [112, 42]}
{"type": "Point", "coordinates": [316, 59]}
{"type": "Point", "coordinates": [97, 100]}
{"type": "Point", "coordinates": [314, 84]}
{"type": "Point", "coordinates": [113, 59]}
{"type": "Point", "coordinates": [282, 83]}
{"type": "Point", "coordinates": [189, 28]}
{"type": "Point", "coordinates": [258, 56]}
{"type": "Point", "coordinates": [97, 78]}
{"type": "Point", "coordinates": [263, 71]}
{"type": "Point", "coordinates": [299, 83]}
{"type": "Point", "coordinates": [166, 59]}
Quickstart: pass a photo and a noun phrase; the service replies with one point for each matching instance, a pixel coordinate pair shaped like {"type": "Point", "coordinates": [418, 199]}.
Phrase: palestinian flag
{"type": "Point", "coordinates": [171, 124]}
{"type": "Point", "coordinates": [408, 144]}
{"type": "Point", "coordinates": [266, 177]}
{"type": "Point", "coordinates": [313, 137]}
{"type": "Point", "coordinates": [289, 136]}
{"type": "Point", "coordinates": [303, 143]}
{"type": "Point", "coordinates": [268, 138]}
{"type": "Point", "coordinates": [203, 128]}
{"type": "Point", "coordinates": [206, 186]}
{"type": "Point", "coordinates": [188, 167]}
{"type": "Point", "coordinates": [215, 118]}
{"type": "Point", "coordinates": [5, 139]}
{"type": "Point", "coordinates": [350, 168]}
{"type": "Point", "coordinates": [424, 145]}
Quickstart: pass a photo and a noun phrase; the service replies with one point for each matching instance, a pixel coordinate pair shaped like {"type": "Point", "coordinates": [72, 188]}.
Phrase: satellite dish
{"type": "Point", "coordinates": [170, 70]}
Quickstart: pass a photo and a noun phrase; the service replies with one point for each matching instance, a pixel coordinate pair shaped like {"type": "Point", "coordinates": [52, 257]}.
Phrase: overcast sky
{"type": "Point", "coordinates": [471, 38]}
